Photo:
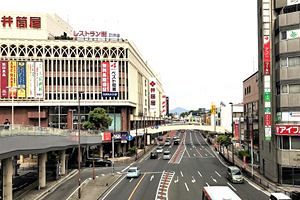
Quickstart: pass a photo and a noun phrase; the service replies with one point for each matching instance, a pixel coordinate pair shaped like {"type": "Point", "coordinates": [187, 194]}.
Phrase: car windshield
{"type": "Point", "coordinates": [166, 153]}
{"type": "Point", "coordinates": [236, 172]}
{"type": "Point", "coordinates": [131, 170]}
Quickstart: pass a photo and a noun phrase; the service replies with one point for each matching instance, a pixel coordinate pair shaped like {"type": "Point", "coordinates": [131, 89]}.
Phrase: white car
{"type": "Point", "coordinates": [167, 155]}
{"type": "Point", "coordinates": [133, 172]}
{"type": "Point", "coordinates": [167, 143]}
{"type": "Point", "coordinates": [159, 150]}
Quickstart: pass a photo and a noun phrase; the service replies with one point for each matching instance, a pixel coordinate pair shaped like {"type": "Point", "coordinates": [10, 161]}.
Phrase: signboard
{"type": "Point", "coordinates": [95, 34]}
{"type": "Point", "coordinates": [213, 109]}
{"type": "Point", "coordinates": [110, 79]}
{"type": "Point", "coordinates": [21, 79]}
{"type": "Point", "coordinates": [292, 2]}
{"type": "Point", "coordinates": [106, 136]}
{"type": "Point", "coordinates": [12, 79]}
{"type": "Point", "coordinates": [129, 138]}
{"type": "Point", "coordinates": [152, 93]}
{"type": "Point", "coordinates": [21, 22]}
{"type": "Point", "coordinates": [288, 129]}
{"type": "Point", "coordinates": [293, 34]}
{"type": "Point", "coordinates": [268, 121]}
{"type": "Point", "coordinates": [39, 78]}
{"type": "Point", "coordinates": [236, 131]}
{"type": "Point", "coordinates": [4, 79]}
{"type": "Point", "coordinates": [124, 137]}
{"type": "Point", "coordinates": [114, 79]}
{"type": "Point", "coordinates": [289, 116]}
{"type": "Point", "coordinates": [164, 105]}
{"type": "Point", "coordinates": [30, 80]}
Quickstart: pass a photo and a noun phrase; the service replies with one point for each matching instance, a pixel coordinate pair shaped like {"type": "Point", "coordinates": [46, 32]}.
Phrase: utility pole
{"type": "Point", "coordinates": [79, 150]}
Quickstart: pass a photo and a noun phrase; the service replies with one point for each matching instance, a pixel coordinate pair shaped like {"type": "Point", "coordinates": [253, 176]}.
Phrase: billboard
{"type": "Point", "coordinates": [21, 69]}
{"type": "Point", "coordinates": [152, 93]}
{"type": "Point", "coordinates": [292, 129]}
{"type": "Point", "coordinates": [236, 131]}
{"type": "Point", "coordinates": [292, 2]}
{"type": "Point", "coordinates": [114, 78]}
{"type": "Point", "coordinates": [39, 78]}
{"type": "Point", "coordinates": [106, 137]}
{"type": "Point", "coordinates": [110, 79]}
{"type": "Point", "coordinates": [12, 79]}
{"type": "Point", "coordinates": [164, 105]}
{"type": "Point", "coordinates": [4, 79]}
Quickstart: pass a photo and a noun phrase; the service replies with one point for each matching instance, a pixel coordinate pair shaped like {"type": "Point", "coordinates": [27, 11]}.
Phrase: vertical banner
{"type": "Point", "coordinates": [39, 78]}
{"type": "Point", "coordinates": [21, 69]}
{"type": "Point", "coordinates": [32, 80]}
{"type": "Point", "coordinates": [28, 80]}
{"type": "Point", "coordinates": [236, 131]}
{"type": "Point", "coordinates": [152, 93]}
{"type": "Point", "coordinates": [12, 79]}
{"type": "Point", "coordinates": [105, 78]}
{"type": "Point", "coordinates": [164, 105]}
{"type": "Point", "coordinates": [4, 79]}
{"type": "Point", "coordinates": [114, 78]}
{"type": "Point", "coordinates": [106, 137]}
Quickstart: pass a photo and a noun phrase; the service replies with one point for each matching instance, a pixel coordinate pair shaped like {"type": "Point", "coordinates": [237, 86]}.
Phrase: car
{"type": "Point", "coordinates": [167, 143]}
{"type": "Point", "coordinates": [279, 196]}
{"type": "Point", "coordinates": [133, 172]}
{"type": "Point", "coordinates": [160, 138]}
{"type": "Point", "coordinates": [159, 149]}
{"type": "Point", "coordinates": [234, 174]}
{"type": "Point", "coordinates": [176, 142]}
{"type": "Point", "coordinates": [98, 163]}
{"type": "Point", "coordinates": [153, 155]}
{"type": "Point", "coordinates": [167, 155]}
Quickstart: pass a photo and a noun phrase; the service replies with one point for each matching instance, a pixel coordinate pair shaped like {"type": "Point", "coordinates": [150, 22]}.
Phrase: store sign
{"type": "Point", "coordinates": [152, 93]}
{"type": "Point", "coordinates": [164, 105]}
{"type": "Point", "coordinates": [95, 34]}
{"type": "Point", "coordinates": [110, 79]}
{"type": "Point", "coordinates": [23, 22]}
{"type": "Point", "coordinates": [289, 116]}
{"type": "Point", "coordinates": [267, 96]}
{"type": "Point", "coordinates": [293, 34]}
{"type": "Point", "coordinates": [288, 129]}
{"type": "Point", "coordinates": [124, 136]}
{"type": "Point", "coordinates": [106, 136]}
{"type": "Point", "coordinates": [4, 79]}
{"type": "Point", "coordinates": [268, 121]}
{"type": "Point", "coordinates": [236, 131]}
{"type": "Point", "coordinates": [292, 2]}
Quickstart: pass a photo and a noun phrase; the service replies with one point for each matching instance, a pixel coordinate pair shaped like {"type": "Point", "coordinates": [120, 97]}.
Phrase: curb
{"type": "Point", "coordinates": [109, 187]}
{"type": "Point", "coordinates": [55, 186]}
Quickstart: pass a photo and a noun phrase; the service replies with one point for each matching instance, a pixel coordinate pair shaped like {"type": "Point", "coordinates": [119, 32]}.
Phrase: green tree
{"type": "Point", "coordinates": [98, 119]}
{"type": "Point", "coordinates": [223, 140]}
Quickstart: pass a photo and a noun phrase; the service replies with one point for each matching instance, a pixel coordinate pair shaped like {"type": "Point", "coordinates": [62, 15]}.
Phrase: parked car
{"type": "Point", "coordinates": [159, 149]}
{"type": "Point", "coordinates": [167, 155]}
{"type": "Point", "coordinates": [98, 163]}
{"type": "Point", "coordinates": [153, 155]}
{"type": "Point", "coordinates": [133, 172]}
{"type": "Point", "coordinates": [234, 174]}
{"type": "Point", "coordinates": [279, 196]}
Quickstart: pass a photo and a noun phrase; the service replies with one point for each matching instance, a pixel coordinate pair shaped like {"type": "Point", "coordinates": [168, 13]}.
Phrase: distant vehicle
{"type": "Point", "coordinates": [176, 142]}
{"type": "Point", "coordinates": [219, 193]}
{"type": "Point", "coordinates": [153, 155]}
{"type": "Point", "coordinates": [167, 143]}
{"type": "Point", "coordinates": [160, 138]}
{"type": "Point", "coordinates": [159, 149]}
{"type": "Point", "coordinates": [279, 196]}
{"type": "Point", "coordinates": [133, 172]}
{"type": "Point", "coordinates": [98, 163]}
{"type": "Point", "coordinates": [167, 155]}
{"type": "Point", "coordinates": [234, 174]}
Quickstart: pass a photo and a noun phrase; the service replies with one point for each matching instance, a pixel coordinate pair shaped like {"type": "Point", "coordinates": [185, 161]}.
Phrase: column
{"type": "Point", "coordinates": [21, 159]}
{"type": "Point", "coordinates": [140, 141]}
{"type": "Point", "coordinates": [101, 150]}
{"type": "Point", "coordinates": [62, 162]}
{"type": "Point", "coordinates": [119, 148]}
{"type": "Point", "coordinates": [7, 165]}
{"type": "Point", "coordinates": [42, 158]}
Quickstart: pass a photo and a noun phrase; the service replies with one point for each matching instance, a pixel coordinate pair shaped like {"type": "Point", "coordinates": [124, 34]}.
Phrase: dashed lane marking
{"type": "Point", "coordinates": [207, 184]}
{"type": "Point", "coordinates": [130, 180]}
{"type": "Point", "coordinates": [199, 174]}
{"type": "Point", "coordinates": [231, 186]}
{"type": "Point", "coordinates": [217, 173]}
{"type": "Point", "coordinates": [187, 188]}
{"type": "Point", "coordinates": [181, 173]}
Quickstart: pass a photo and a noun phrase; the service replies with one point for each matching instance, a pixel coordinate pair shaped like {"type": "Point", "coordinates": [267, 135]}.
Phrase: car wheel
{"type": "Point", "coordinates": [106, 164]}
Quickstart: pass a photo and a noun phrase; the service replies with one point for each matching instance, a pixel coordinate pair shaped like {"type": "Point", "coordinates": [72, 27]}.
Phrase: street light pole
{"type": "Point", "coordinates": [39, 112]}
{"type": "Point", "coordinates": [232, 131]}
{"type": "Point", "coordinates": [79, 150]}
{"type": "Point", "coordinates": [136, 142]}
{"type": "Point", "coordinates": [113, 142]}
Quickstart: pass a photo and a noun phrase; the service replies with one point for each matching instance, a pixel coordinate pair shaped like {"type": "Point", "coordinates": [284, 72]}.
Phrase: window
{"type": "Point", "coordinates": [293, 89]}
{"type": "Point", "coordinates": [283, 62]}
{"type": "Point", "coordinates": [293, 61]}
{"type": "Point", "coordinates": [295, 142]}
{"type": "Point", "coordinates": [283, 35]}
{"type": "Point", "coordinates": [284, 89]}
{"type": "Point", "coordinates": [285, 142]}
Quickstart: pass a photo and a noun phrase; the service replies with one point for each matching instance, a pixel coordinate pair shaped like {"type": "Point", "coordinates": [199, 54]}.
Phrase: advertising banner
{"type": "Point", "coordinates": [114, 79]}
{"type": "Point", "coordinates": [28, 71]}
{"type": "Point", "coordinates": [4, 79]}
{"type": "Point", "coordinates": [236, 131]}
{"type": "Point", "coordinates": [267, 119]}
{"type": "Point", "coordinates": [106, 137]}
{"type": "Point", "coordinates": [267, 68]}
{"type": "Point", "coordinates": [293, 34]}
{"type": "Point", "coordinates": [39, 77]}
{"type": "Point", "coordinates": [292, 2]}
{"type": "Point", "coordinates": [12, 78]}
{"type": "Point", "coordinates": [32, 81]}
{"type": "Point", "coordinates": [164, 105]}
{"type": "Point", "coordinates": [105, 78]}
{"type": "Point", "coordinates": [21, 69]}
{"type": "Point", "coordinates": [124, 137]}
{"type": "Point", "coordinates": [288, 129]}
{"type": "Point", "coordinates": [152, 93]}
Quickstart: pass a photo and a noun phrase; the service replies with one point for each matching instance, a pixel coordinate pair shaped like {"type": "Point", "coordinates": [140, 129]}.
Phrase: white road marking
{"type": "Point", "coordinates": [127, 167]}
{"type": "Point", "coordinates": [218, 174]}
{"type": "Point", "coordinates": [199, 174]}
{"type": "Point", "coordinates": [231, 186]}
{"type": "Point", "coordinates": [176, 180]}
{"type": "Point", "coordinates": [193, 180]}
{"type": "Point", "coordinates": [102, 174]}
{"type": "Point", "coordinates": [151, 178]}
{"type": "Point", "coordinates": [205, 154]}
{"type": "Point", "coordinates": [190, 149]}
{"type": "Point", "coordinates": [181, 173]}
{"type": "Point", "coordinates": [188, 153]}
{"type": "Point", "coordinates": [158, 158]}
{"type": "Point", "coordinates": [207, 184]}
{"type": "Point", "coordinates": [131, 180]}
{"type": "Point", "coordinates": [257, 187]}
{"type": "Point", "coordinates": [113, 187]}
{"type": "Point", "coordinates": [187, 188]}
{"type": "Point", "coordinates": [213, 179]}
{"type": "Point", "coordinates": [194, 155]}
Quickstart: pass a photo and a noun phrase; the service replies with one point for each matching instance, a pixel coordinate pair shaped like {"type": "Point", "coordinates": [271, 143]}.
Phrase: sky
{"type": "Point", "coordinates": [202, 50]}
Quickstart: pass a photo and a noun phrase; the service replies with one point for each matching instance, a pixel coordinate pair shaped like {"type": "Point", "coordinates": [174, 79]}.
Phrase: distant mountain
{"type": "Point", "coordinates": [178, 110]}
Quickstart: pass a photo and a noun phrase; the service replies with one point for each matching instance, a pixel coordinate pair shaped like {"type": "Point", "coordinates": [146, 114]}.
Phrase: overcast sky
{"type": "Point", "coordinates": [202, 50]}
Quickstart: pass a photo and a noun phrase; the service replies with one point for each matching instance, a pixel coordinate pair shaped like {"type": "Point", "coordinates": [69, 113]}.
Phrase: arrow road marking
{"type": "Point", "coordinates": [199, 174]}
{"type": "Point", "coordinates": [218, 174]}
{"type": "Point", "coordinates": [151, 178]}
{"type": "Point", "coordinates": [188, 153]}
{"type": "Point", "coordinates": [181, 173]}
{"type": "Point", "coordinates": [187, 188]}
{"type": "Point", "coordinates": [193, 180]}
{"type": "Point", "coordinates": [207, 184]}
{"type": "Point", "coordinates": [130, 180]}
{"type": "Point", "coordinates": [175, 181]}
{"type": "Point", "coordinates": [194, 155]}
{"type": "Point", "coordinates": [213, 179]}
{"type": "Point", "coordinates": [231, 186]}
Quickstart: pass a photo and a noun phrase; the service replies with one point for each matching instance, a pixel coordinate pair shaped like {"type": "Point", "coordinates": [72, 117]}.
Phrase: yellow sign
{"type": "Point", "coordinates": [213, 109]}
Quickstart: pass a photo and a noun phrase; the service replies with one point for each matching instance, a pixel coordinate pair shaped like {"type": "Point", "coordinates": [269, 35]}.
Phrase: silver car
{"type": "Point", "coordinates": [234, 174]}
{"type": "Point", "coordinates": [133, 172]}
{"type": "Point", "coordinates": [167, 155]}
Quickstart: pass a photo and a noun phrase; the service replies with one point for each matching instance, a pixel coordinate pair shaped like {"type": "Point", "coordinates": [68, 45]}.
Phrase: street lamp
{"type": "Point", "coordinates": [232, 131]}
{"type": "Point", "coordinates": [13, 90]}
{"type": "Point", "coordinates": [39, 112]}
{"type": "Point", "coordinates": [79, 150]}
{"type": "Point", "coordinates": [113, 142]}
{"type": "Point", "coordinates": [72, 110]}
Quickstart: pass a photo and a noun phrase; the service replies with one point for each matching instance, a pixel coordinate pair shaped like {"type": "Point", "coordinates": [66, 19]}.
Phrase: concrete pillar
{"type": "Point", "coordinates": [7, 165]}
{"type": "Point", "coordinates": [119, 148]}
{"type": "Point", "coordinates": [101, 150]}
{"type": "Point", "coordinates": [62, 161]}
{"type": "Point", "coordinates": [21, 159]}
{"type": "Point", "coordinates": [42, 159]}
{"type": "Point", "coordinates": [140, 141]}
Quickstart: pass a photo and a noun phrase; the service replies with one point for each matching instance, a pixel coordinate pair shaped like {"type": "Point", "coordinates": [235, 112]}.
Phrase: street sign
{"type": "Point", "coordinates": [129, 137]}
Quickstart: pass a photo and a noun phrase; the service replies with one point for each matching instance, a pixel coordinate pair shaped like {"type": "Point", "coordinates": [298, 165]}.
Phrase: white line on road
{"type": "Point", "coordinates": [213, 179]}
{"type": "Point", "coordinates": [188, 153]}
{"type": "Point", "coordinates": [187, 188]}
{"type": "Point", "coordinates": [218, 174]}
{"type": "Point", "coordinates": [257, 187]}
{"type": "Point", "coordinates": [207, 184]}
{"type": "Point", "coordinates": [193, 180]}
{"type": "Point", "coordinates": [113, 188]}
{"type": "Point", "coordinates": [190, 149]}
{"type": "Point", "coordinates": [175, 181]}
{"type": "Point", "coordinates": [199, 174]}
{"type": "Point", "coordinates": [131, 180]}
{"type": "Point", "coordinates": [181, 173]}
{"type": "Point", "coordinates": [205, 154]}
{"type": "Point", "coordinates": [231, 186]}
{"type": "Point", "coordinates": [151, 178]}
{"type": "Point", "coordinates": [194, 155]}
{"type": "Point", "coordinates": [127, 167]}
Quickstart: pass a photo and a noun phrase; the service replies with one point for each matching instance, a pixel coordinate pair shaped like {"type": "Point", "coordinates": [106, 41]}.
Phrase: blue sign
{"type": "Point", "coordinates": [129, 137]}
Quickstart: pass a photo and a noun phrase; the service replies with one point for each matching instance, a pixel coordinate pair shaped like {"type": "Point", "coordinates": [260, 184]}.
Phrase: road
{"type": "Point", "coordinates": [192, 166]}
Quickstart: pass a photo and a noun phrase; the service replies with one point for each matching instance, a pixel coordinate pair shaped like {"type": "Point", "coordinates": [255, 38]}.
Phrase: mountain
{"type": "Point", "coordinates": [178, 110]}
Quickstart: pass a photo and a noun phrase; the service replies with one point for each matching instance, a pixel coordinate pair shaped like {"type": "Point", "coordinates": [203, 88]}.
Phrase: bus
{"type": "Point", "coordinates": [219, 193]}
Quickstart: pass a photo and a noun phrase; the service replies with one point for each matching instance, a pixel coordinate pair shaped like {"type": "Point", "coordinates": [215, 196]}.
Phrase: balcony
{"type": "Point", "coordinates": [288, 157]}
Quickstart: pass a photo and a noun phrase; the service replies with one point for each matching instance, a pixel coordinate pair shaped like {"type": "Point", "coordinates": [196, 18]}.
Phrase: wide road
{"type": "Point", "coordinates": [193, 165]}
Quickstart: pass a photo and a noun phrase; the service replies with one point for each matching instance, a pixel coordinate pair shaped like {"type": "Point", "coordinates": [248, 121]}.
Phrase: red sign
{"type": "Point", "coordinates": [267, 50]}
{"type": "Point", "coordinates": [106, 136]}
{"type": "Point", "coordinates": [236, 131]}
{"type": "Point", "coordinates": [105, 76]}
{"type": "Point", "coordinates": [95, 34]}
{"type": "Point", "coordinates": [4, 79]}
{"type": "Point", "coordinates": [21, 22]}
{"type": "Point", "coordinates": [268, 120]}
{"type": "Point", "coordinates": [267, 68]}
{"type": "Point", "coordinates": [288, 129]}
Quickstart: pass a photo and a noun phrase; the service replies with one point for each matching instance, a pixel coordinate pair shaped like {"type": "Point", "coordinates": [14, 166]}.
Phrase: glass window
{"type": "Point", "coordinates": [287, 175]}
{"type": "Point", "coordinates": [284, 89]}
{"type": "Point", "coordinates": [285, 142]}
{"type": "Point", "coordinates": [283, 62]}
{"type": "Point", "coordinates": [296, 176]}
{"type": "Point", "coordinates": [294, 61]}
{"type": "Point", "coordinates": [295, 142]}
{"type": "Point", "coordinates": [294, 89]}
{"type": "Point", "coordinates": [283, 35]}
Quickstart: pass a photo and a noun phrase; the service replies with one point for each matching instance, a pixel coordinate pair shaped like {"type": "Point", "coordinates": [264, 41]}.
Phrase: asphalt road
{"type": "Point", "coordinates": [193, 166]}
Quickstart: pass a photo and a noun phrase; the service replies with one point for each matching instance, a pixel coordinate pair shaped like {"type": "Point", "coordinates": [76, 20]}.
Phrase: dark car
{"type": "Point", "coordinates": [160, 138]}
{"type": "Point", "coordinates": [153, 155]}
{"type": "Point", "coordinates": [98, 163]}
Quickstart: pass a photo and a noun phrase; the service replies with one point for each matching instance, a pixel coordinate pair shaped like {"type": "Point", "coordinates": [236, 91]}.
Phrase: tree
{"type": "Point", "coordinates": [223, 140]}
{"type": "Point", "coordinates": [98, 119]}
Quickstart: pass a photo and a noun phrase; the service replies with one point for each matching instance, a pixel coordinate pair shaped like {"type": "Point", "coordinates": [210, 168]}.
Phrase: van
{"type": "Point", "coordinates": [167, 155]}
{"type": "Point", "coordinates": [279, 196]}
{"type": "Point", "coordinates": [234, 174]}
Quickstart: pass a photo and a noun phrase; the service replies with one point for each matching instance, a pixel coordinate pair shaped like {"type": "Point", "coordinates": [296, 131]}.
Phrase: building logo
{"type": "Point", "coordinates": [21, 22]}
{"type": "Point", "coordinates": [152, 93]}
